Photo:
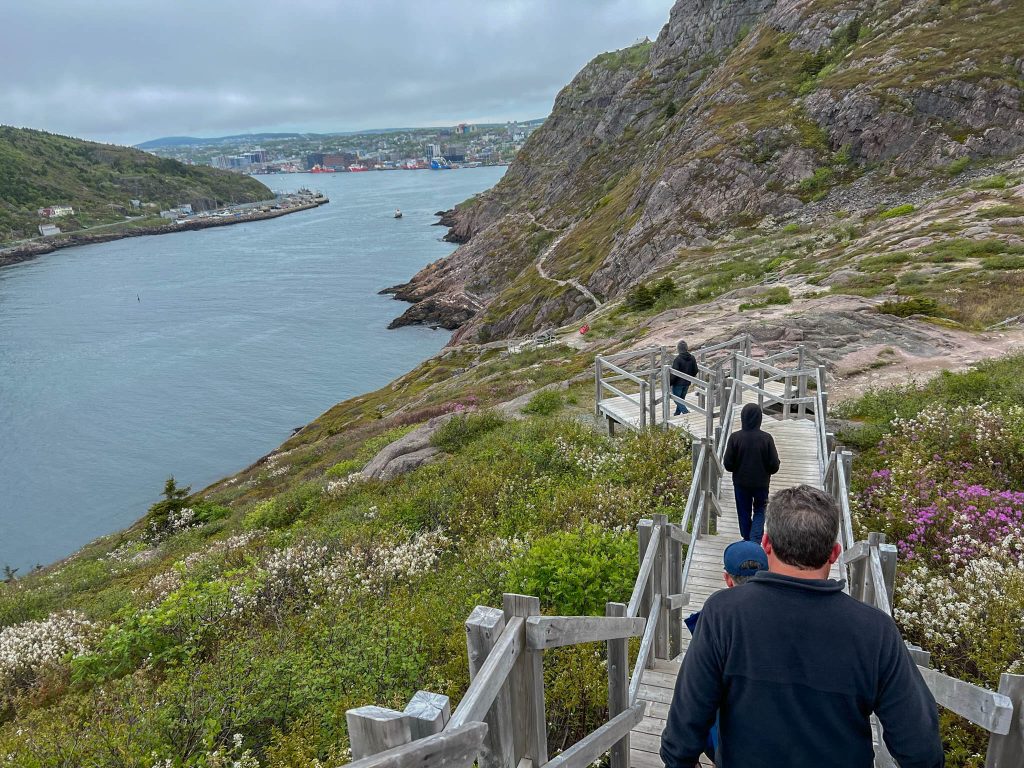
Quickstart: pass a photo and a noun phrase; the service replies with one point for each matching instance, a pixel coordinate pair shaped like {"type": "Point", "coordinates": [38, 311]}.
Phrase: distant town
{"type": "Point", "coordinates": [462, 145]}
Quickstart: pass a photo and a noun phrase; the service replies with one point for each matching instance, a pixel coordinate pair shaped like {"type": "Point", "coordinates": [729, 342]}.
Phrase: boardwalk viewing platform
{"type": "Point", "coordinates": [500, 721]}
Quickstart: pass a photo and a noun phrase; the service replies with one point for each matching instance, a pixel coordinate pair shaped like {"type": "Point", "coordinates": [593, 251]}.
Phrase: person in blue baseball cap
{"type": "Point", "coordinates": [741, 560]}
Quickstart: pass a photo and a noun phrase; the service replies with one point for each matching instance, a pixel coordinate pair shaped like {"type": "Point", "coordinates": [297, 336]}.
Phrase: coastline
{"type": "Point", "coordinates": [21, 253]}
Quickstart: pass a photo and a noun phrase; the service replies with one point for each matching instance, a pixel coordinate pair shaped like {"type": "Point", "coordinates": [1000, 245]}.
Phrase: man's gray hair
{"type": "Point", "coordinates": [802, 524]}
{"type": "Point", "coordinates": [682, 347]}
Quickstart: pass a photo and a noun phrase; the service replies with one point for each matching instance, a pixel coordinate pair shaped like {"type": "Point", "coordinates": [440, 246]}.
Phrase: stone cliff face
{"type": "Point", "coordinates": [741, 112]}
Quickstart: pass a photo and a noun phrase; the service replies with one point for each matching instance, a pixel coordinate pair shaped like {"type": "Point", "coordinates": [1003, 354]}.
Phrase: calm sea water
{"type": "Point", "coordinates": [195, 353]}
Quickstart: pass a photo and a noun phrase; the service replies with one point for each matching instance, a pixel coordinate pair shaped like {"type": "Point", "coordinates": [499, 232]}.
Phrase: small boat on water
{"type": "Point", "coordinates": [398, 214]}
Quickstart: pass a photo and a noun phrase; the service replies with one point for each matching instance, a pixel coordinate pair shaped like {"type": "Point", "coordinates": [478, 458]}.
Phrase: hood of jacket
{"type": "Point", "coordinates": [750, 416]}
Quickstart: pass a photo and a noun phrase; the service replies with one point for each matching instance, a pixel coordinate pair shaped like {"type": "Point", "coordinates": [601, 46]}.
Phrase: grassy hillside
{"type": "Point", "coordinates": [39, 169]}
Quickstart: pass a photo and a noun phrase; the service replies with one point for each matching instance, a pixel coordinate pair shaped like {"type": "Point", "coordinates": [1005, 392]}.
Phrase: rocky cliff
{"type": "Point", "coordinates": [743, 113]}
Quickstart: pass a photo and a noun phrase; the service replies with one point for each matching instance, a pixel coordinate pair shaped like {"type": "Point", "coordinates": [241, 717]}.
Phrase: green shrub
{"type": "Point", "coordinates": [640, 297]}
{"type": "Point", "coordinates": [1003, 261]}
{"type": "Point", "coordinates": [957, 166]}
{"type": "Point", "coordinates": [822, 179]}
{"type": "Point", "coordinates": [459, 431]}
{"type": "Point", "coordinates": [283, 510]}
{"type": "Point", "coordinates": [999, 181]}
{"type": "Point", "coordinates": [345, 468]}
{"type": "Point", "coordinates": [576, 573]}
{"type": "Point", "coordinates": [777, 295]}
{"type": "Point", "coordinates": [917, 305]}
{"type": "Point", "coordinates": [899, 210]}
{"type": "Point", "coordinates": [545, 403]}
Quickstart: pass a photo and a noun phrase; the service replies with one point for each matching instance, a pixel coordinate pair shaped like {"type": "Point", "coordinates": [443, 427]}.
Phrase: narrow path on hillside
{"type": "Point", "coordinates": [549, 250]}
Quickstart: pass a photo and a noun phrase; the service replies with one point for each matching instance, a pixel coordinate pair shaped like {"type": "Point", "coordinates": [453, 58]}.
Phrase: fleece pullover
{"type": "Point", "coordinates": [796, 667]}
{"type": "Point", "coordinates": [685, 363]}
{"type": "Point", "coordinates": [750, 453]}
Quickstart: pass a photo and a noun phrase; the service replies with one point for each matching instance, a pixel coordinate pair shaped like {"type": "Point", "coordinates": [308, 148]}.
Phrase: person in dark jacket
{"type": "Point", "coordinates": [795, 667]}
{"type": "Point", "coordinates": [751, 457]}
{"type": "Point", "coordinates": [684, 363]}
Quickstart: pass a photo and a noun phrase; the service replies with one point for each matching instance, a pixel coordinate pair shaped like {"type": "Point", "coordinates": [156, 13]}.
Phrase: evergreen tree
{"type": "Point", "coordinates": [173, 501]}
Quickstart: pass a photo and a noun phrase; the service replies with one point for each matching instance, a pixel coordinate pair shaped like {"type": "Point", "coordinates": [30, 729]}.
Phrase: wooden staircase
{"type": "Point", "coordinates": [794, 440]}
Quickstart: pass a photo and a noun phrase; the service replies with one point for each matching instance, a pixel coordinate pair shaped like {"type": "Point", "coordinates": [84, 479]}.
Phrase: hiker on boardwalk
{"type": "Point", "coordinates": [684, 363]}
{"type": "Point", "coordinates": [794, 667]}
{"type": "Point", "coordinates": [740, 562]}
{"type": "Point", "coordinates": [751, 457]}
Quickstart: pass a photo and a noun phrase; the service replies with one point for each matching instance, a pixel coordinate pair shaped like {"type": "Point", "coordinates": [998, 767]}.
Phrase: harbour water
{"type": "Point", "coordinates": [195, 353]}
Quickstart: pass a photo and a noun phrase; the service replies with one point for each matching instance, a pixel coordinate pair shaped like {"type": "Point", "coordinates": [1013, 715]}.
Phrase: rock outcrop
{"type": "Point", "coordinates": [740, 111]}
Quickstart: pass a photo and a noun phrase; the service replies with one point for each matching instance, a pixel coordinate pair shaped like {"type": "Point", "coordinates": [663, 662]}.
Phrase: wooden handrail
{"type": "Point", "coordinates": [543, 632]}
{"type": "Point", "coordinates": [878, 582]}
{"type": "Point", "coordinates": [633, 607]}
{"type": "Point", "coordinates": [691, 498]}
{"type": "Point", "coordinates": [622, 371]}
{"type": "Point", "coordinates": [645, 651]}
{"type": "Point", "coordinates": [452, 748]}
{"type": "Point", "coordinates": [492, 675]}
{"type": "Point", "coordinates": [585, 751]}
{"type": "Point", "coordinates": [992, 711]}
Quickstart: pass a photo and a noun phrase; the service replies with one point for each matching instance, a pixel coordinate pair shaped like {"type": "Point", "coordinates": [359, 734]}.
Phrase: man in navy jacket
{"type": "Point", "coordinates": [796, 667]}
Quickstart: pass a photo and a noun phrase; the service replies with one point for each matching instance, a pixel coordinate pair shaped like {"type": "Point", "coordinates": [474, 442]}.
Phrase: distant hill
{"type": "Point", "coordinates": [39, 169]}
{"type": "Point", "coordinates": [192, 141]}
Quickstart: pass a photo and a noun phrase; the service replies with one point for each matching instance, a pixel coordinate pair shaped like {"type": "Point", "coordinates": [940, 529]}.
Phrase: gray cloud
{"type": "Point", "coordinates": [125, 72]}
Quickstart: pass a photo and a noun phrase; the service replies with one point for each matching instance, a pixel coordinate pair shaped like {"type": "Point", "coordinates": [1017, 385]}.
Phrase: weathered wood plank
{"type": "Point", "coordinates": [428, 713]}
{"type": "Point", "coordinates": [1005, 750]}
{"type": "Point", "coordinates": [492, 675]}
{"type": "Point", "coordinates": [660, 573]}
{"type": "Point", "coordinates": [589, 748]}
{"type": "Point", "coordinates": [375, 729]}
{"type": "Point", "coordinates": [648, 536]}
{"type": "Point", "coordinates": [528, 687]}
{"type": "Point", "coordinates": [880, 598]}
{"type": "Point", "coordinates": [992, 711]}
{"type": "Point", "coordinates": [646, 647]}
{"type": "Point", "coordinates": [452, 748]}
{"type": "Point", "coordinates": [555, 631]}
{"type": "Point", "coordinates": [483, 630]}
{"type": "Point", "coordinates": [618, 685]}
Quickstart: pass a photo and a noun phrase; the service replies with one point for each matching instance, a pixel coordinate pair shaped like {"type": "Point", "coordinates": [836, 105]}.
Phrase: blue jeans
{"type": "Point", "coordinates": [750, 504]}
{"type": "Point", "coordinates": [679, 389]}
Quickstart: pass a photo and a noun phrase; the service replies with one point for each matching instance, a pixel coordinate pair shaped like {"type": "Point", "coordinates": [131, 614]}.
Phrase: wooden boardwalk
{"type": "Point", "coordinates": [627, 411]}
{"type": "Point", "coordinates": [795, 441]}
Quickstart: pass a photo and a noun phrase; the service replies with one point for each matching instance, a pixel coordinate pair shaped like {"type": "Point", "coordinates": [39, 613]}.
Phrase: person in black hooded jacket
{"type": "Point", "coordinates": [751, 457]}
{"type": "Point", "coordinates": [684, 363]}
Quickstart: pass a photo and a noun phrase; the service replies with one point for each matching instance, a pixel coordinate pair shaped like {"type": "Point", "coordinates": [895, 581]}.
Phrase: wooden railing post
{"type": "Point", "coordinates": [660, 587]}
{"type": "Point", "coordinates": [376, 729]}
{"type": "Point", "coordinates": [643, 404]}
{"type": "Point", "coordinates": [618, 685]}
{"type": "Point", "coordinates": [483, 627]}
{"type": "Point", "coordinates": [869, 586]}
{"type": "Point", "coordinates": [1004, 751]}
{"type": "Point", "coordinates": [727, 386]}
{"type": "Point", "coordinates": [666, 395]}
{"type": "Point", "coordinates": [823, 388]}
{"type": "Point", "coordinates": [801, 409]}
{"type": "Point", "coordinates": [597, 382]}
{"type": "Point", "coordinates": [707, 486]}
{"type": "Point", "coordinates": [428, 713]}
{"type": "Point", "coordinates": [526, 682]}
{"type": "Point", "coordinates": [675, 587]}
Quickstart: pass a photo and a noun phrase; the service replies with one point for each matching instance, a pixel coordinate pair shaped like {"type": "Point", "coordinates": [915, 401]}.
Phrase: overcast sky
{"type": "Point", "coordinates": [125, 71]}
